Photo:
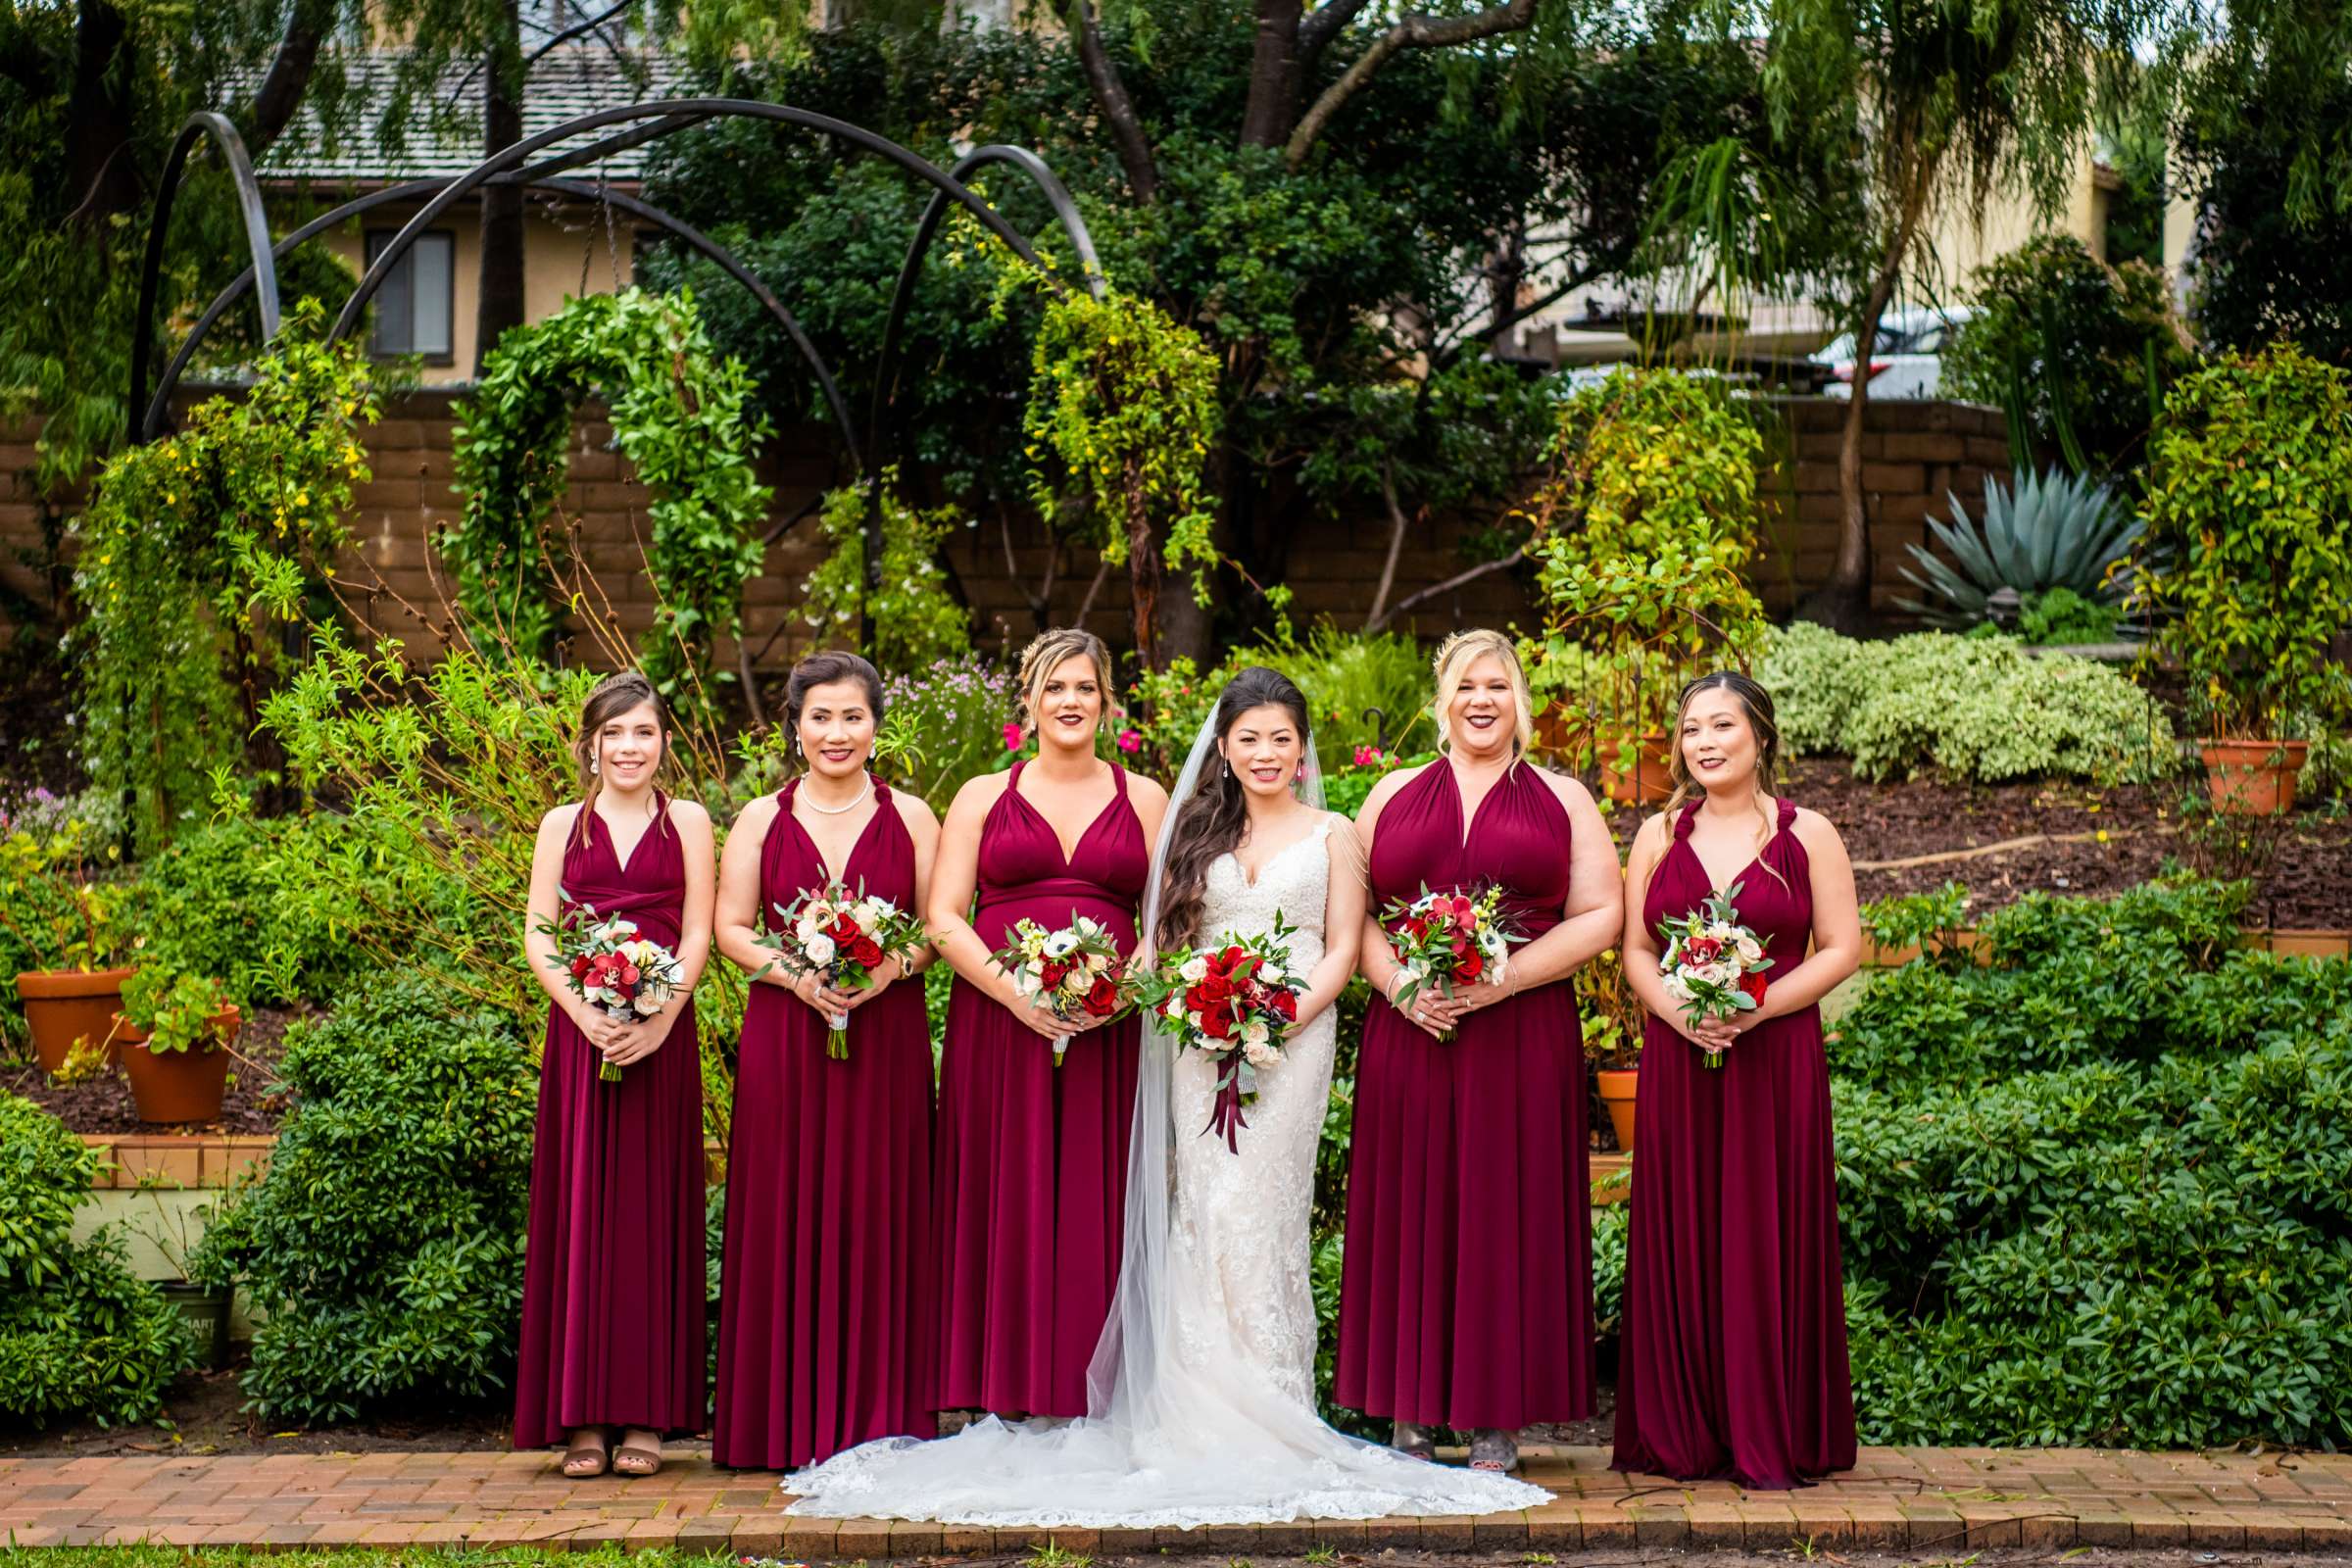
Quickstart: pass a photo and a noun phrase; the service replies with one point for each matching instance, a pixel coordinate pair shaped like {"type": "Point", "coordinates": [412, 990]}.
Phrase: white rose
{"type": "Point", "coordinates": [1751, 951]}
{"type": "Point", "coordinates": [1078, 982]}
{"type": "Point", "coordinates": [1173, 1008]}
{"type": "Point", "coordinates": [1262, 1053]}
{"type": "Point", "coordinates": [1195, 971]}
{"type": "Point", "coordinates": [1676, 987]}
{"type": "Point", "coordinates": [864, 915]}
{"type": "Point", "coordinates": [882, 907]}
{"type": "Point", "coordinates": [1270, 972]}
{"type": "Point", "coordinates": [817, 948]}
{"type": "Point", "coordinates": [1024, 982]}
{"type": "Point", "coordinates": [1061, 944]}
{"type": "Point", "coordinates": [1254, 1032]}
{"type": "Point", "coordinates": [647, 1004]}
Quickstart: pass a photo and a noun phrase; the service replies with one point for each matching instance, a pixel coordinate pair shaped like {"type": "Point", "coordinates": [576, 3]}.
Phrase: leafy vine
{"type": "Point", "coordinates": [680, 414]}
{"type": "Point", "coordinates": [193, 550]}
{"type": "Point", "coordinates": [916, 621]}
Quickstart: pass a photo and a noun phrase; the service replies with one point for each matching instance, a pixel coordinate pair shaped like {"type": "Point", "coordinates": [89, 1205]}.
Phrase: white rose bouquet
{"type": "Point", "coordinates": [1076, 973]}
{"type": "Point", "coordinates": [1713, 965]}
{"type": "Point", "coordinates": [842, 938]}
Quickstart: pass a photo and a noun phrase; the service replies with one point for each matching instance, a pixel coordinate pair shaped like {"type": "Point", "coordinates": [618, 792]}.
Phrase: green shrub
{"type": "Point", "coordinates": [243, 899]}
{"type": "Point", "coordinates": [1979, 707]}
{"type": "Point", "coordinates": [79, 1334]}
{"type": "Point", "coordinates": [2248, 543]}
{"type": "Point", "coordinates": [2100, 1191]}
{"type": "Point", "coordinates": [945, 724]}
{"type": "Point", "coordinates": [384, 1241]}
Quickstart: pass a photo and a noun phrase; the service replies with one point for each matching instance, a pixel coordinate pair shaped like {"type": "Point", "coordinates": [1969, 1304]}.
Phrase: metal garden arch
{"type": "Point", "coordinates": [668, 116]}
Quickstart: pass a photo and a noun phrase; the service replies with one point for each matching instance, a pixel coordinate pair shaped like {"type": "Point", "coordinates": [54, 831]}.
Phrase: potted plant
{"type": "Point", "coordinates": [1641, 535]}
{"type": "Point", "coordinates": [2246, 562]}
{"type": "Point", "coordinates": [1612, 1026]}
{"type": "Point", "coordinates": [65, 929]}
{"type": "Point", "coordinates": [175, 1032]}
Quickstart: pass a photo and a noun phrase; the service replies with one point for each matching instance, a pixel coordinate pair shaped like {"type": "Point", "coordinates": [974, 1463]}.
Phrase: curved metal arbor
{"type": "Point", "coordinates": [667, 117]}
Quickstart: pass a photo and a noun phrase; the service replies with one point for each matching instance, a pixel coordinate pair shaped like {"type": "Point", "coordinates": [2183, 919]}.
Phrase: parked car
{"type": "Point", "coordinates": [1908, 359]}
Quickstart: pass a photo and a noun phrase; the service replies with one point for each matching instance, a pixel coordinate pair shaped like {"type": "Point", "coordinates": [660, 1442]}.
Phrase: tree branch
{"type": "Point", "coordinates": [1109, 91]}
{"type": "Point", "coordinates": [1324, 24]}
{"type": "Point", "coordinates": [281, 90]}
{"type": "Point", "coordinates": [1414, 32]}
{"type": "Point", "coordinates": [1397, 524]}
{"type": "Point", "coordinates": [1458, 579]}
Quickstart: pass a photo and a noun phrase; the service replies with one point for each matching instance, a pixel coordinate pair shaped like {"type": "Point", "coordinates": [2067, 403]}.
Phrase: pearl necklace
{"type": "Point", "coordinates": [836, 811]}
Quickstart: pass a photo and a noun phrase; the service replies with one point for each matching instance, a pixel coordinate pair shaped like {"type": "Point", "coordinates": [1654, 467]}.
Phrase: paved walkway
{"type": "Point", "coordinates": [1917, 1500]}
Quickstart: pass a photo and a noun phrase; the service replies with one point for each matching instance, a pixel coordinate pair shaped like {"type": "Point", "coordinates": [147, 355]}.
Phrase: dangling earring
{"type": "Point", "coordinates": [596, 766]}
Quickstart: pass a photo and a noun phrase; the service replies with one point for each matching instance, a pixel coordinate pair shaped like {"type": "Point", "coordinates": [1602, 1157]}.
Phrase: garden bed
{"type": "Point", "coordinates": [103, 1104]}
{"type": "Point", "coordinates": [204, 1414]}
{"type": "Point", "coordinates": [2303, 883]}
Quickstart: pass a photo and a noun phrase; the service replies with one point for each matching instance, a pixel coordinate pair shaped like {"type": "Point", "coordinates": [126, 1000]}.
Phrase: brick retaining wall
{"type": "Point", "coordinates": [1913, 453]}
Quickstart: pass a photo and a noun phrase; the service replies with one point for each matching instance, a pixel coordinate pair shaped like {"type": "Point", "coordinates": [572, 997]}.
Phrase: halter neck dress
{"type": "Point", "coordinates": [1031, 1187]}
{"type": "Point", "coordinates": [825, 1300]}
{"type": "Point", "coordinates": [1466, 1290]}
{"type": "Point", "coordinates": [1733, 1357]}
{"type": "Point", "coordinates": [613, 1284]}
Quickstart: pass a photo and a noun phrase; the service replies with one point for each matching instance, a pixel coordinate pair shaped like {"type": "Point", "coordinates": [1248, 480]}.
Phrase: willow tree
{"type": "Point", "coordinates": [1944, 103]}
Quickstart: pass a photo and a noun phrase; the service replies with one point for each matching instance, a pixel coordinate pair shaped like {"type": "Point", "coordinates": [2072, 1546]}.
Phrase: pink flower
{"type": "Point", "coordinates": [1131, 740]}
{"type": "Point", "coordinates": [1013, 737]}
{"type": "Point", "coordinates": [1367, 756]}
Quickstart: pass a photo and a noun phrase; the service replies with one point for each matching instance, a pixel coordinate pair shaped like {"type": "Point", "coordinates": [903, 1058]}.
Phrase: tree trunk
{"type": "Point", "coordinates": [1273, 100]}
{"type": "Point", "coordinates": [1842, 604]}
{"type": "Point", "coordinates": [289, 77]}
{"type": "Point", "coordinates": [1143, 573]}
{"type": "Point", "coordinates": [500, 305]}
{"type": "Point", "coordinates": [101, 180]}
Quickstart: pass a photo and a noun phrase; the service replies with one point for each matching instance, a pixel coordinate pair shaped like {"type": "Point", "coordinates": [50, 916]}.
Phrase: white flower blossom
{"type": "Point", "coordinates": [817, 948]}
{"type": "Point", "coordinates": [1195, 971]}
{"type": "Point", "coordinates": [1061, 944]}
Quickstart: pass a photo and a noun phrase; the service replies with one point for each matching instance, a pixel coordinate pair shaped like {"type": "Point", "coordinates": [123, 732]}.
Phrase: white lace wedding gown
{"type": "Point", "coordinates": [1210, 1416]}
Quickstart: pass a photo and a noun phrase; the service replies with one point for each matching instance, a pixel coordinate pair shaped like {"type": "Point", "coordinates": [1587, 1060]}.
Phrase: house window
{"type": "Point", "coordinates": [413, 307]}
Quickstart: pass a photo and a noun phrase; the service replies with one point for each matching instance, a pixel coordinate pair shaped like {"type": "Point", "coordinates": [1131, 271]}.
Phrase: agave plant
{"type": "Point", "coordinates": [2047, 531]}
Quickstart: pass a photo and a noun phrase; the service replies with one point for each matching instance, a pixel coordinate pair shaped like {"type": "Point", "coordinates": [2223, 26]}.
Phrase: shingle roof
{"type": "Point", "coordinates": [446, 137]}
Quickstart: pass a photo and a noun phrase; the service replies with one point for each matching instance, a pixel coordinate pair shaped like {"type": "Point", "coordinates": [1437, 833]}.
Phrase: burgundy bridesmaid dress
{"type": "Point", "coordinates": [1465, 1298]}
{"type": "Point", "coordinates": [825, 1303]}
{"type": "Point", "coordinates": [1032, 1171]}
{"type": "Point", "coordinates": [1733, 1355]}
{"type": "Point", "coordinates": [613, 1280]}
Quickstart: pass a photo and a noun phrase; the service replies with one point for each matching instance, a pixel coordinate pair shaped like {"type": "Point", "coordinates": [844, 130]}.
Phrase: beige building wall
{"type": "Point", "coordinates": [1965, 237]}
{"type": "Point", "coordinates": [567, 252]}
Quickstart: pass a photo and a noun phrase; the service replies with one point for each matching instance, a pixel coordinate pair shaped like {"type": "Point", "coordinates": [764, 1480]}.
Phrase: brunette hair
{"type": "Point", "coordinates": [826, 669]}
{"type": "Point", "coordinates": [1217, 812]}
{"type": "Point", "coordinates": [1455, 655]}
{"type": "Point", "coordinates": [1046, 654]}
{"type": "Point", "coordinates": [613, 696]}
{"type": "Point", "coordinates": [1755, 703]}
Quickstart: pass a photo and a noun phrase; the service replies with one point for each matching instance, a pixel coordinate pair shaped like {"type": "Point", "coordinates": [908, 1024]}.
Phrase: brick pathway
{"type": "Point", "coordinates": [1923, 1499]}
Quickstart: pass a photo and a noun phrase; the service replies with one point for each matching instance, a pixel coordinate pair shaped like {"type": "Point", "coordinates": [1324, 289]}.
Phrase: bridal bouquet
{"type": "Point", "coordinates": [1230, 1002]}
{"type": "Point", "coordinates": [1076, 973]}
{"type": "Point", "coordinates": [842, 938]}
{"type": "Point", "coordinates": [613, 969]}
{"type": "Point", "coordinates": [1447, 939]}
{"type": "Point", "coordinates": [1713, 965]}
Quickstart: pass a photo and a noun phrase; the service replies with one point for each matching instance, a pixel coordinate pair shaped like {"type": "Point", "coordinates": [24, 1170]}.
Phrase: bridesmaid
{"type": "Point", "coordinates": [1465, 1297]}
{"type": "Point", "coordinates": [825, 1318]}
{"type": "Point", "coordinates": [1031, 1188]}
{"type": "Point", "coordinates": [612, 1284]}
{"type": "Point", "coordinates": [1733, 1361]}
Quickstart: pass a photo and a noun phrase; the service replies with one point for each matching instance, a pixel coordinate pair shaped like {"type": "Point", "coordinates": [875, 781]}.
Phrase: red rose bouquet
{"type": "Point", "coordinates": [1447, 939]}
{"type": "Point", "coordinates": [1713, 965]}
{"type": "Point", "coordinates": [612, 968]}
{"type": "Point", "coordinates": [1231, 1001]}
{"type": "Point", "coordinates": [1076, 973]}
{"type": "Point", "coordinates": [842, 938]}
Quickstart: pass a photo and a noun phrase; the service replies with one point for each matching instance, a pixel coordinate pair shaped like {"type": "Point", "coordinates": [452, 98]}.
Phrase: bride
{"type": "Point", "coordinates": [1201, 1396]}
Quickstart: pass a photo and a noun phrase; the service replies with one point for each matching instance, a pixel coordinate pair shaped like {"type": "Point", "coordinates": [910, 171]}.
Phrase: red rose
{"type": "Point", "coordinates": [1216, 1021]}
{"type": "Point", "coordinates": [1053, 973]}
{"type": "Point", "coordinates": [1285, 1003]}
{"type": "Point", "coordinates": [1470, 968]}
{"type": "Point", "coordinates": [1102, 998]}
{"type": "Point", "coordinates": [1752, 983]}
{"type": "Point", "coordinates": [581, 967]}
{"type": "Point", "coordinates": [867, 952]}
{"type": "Point", "coordinates": [1214, 987]}
{"type": "Point", "coordinates": [844, 929]}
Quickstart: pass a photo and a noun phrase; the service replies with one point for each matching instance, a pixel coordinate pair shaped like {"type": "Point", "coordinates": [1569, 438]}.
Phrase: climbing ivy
{"type": "Point", "coordinates": [679, 414]}
{"type": "Point", "coordinates": [195, 551]}
{"type": "Point", "coordinates": [1126, 398]}
{"type": "Point", "coordinates": [916, 621]}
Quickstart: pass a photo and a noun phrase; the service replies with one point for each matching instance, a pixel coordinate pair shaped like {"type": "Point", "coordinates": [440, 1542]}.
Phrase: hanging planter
{"type": "Point", "coordinates": [2253, 778]}
{"type": "Point", "coordinates": [65, 1007]}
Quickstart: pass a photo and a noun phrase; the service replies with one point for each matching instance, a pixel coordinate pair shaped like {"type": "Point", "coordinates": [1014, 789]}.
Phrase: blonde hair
{"type": "Point", "coordinates": [1046, 654]}
{"type": "Point", "coordinates": [1455, 655]}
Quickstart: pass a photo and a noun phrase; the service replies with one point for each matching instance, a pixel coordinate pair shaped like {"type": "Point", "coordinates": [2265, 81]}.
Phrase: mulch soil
{"type": "Point", "coordinates": [204, 1414]}
{"type": "Point", "coordinates": [103, 1104]}
{"type": "Point", "coordinates": [2300, 865]}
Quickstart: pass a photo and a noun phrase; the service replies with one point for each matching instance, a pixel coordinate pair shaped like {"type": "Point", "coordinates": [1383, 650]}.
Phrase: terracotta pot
{"type": "Point", "coordinates": [63, 1005]}
{"type": "Point", "coordinates": [1617, 1092]}
{"type": "Point", "coordinates": [1649, 784]}
{"type": "Point", "coordinates": [2253, 778]}
{"type": "Point", "coordinates": [177, 1086]}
